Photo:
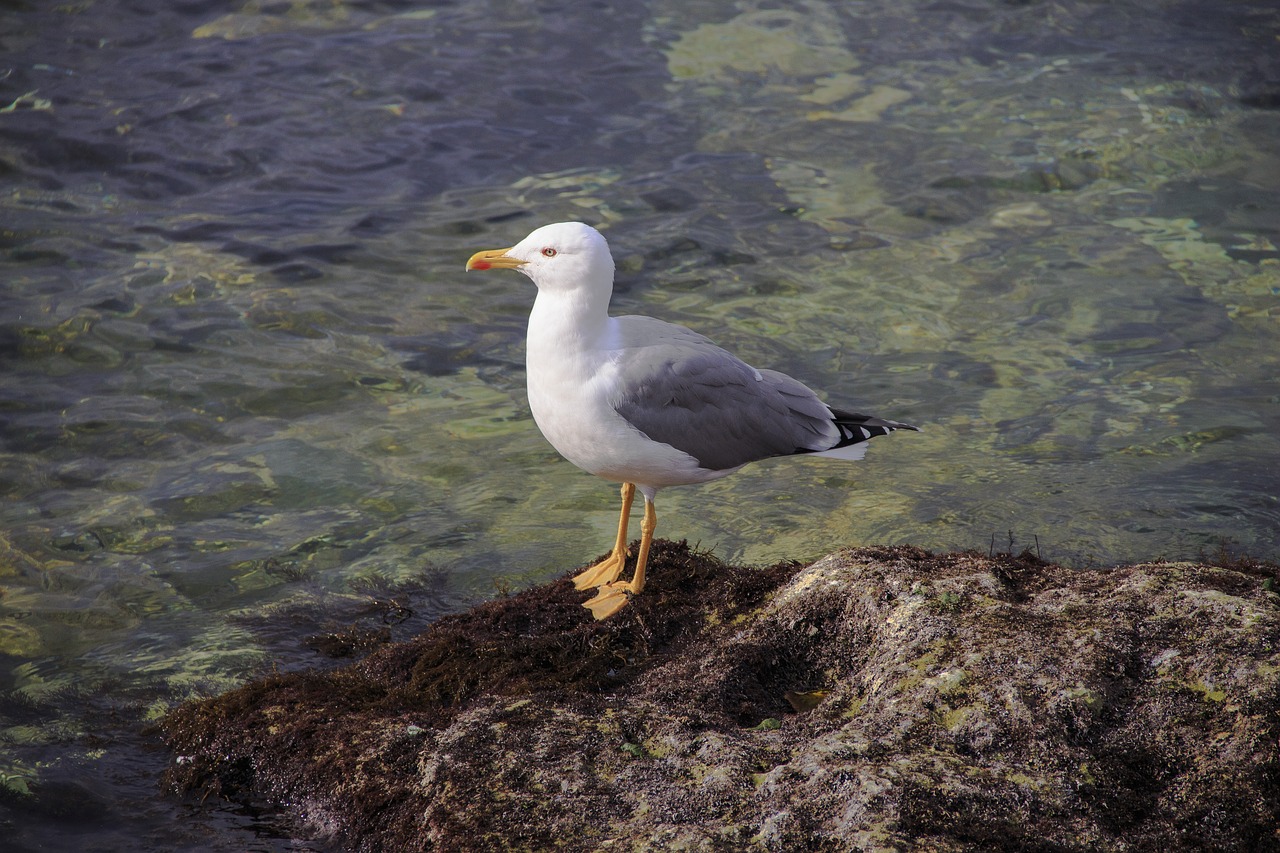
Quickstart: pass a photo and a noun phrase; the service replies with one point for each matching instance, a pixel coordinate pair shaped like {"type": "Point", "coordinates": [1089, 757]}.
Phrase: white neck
{"type": "Point", "coordinates": [562, 325]}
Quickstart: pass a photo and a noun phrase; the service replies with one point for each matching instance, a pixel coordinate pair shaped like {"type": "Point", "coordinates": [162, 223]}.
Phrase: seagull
{"type": "Point", "coordinates": [650, 404]}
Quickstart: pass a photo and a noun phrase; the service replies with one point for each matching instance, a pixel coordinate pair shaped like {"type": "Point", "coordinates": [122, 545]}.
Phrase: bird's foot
{"type": "Point", "coordinates": [604, 572]}
{"type": "Point", "coordinates": [611, 598]}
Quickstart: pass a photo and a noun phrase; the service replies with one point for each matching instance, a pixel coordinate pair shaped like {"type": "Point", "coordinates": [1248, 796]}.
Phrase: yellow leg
{"type": "Point", "coordinates": [647, 526]}
{"type": "Point", "coordinates": [613, 596]}
{"type": "Point", "coordinates": [608, 569]}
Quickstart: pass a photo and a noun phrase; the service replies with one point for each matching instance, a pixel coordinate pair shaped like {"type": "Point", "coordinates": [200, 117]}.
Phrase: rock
{"type": "Point", "coordinates": [952, 702]}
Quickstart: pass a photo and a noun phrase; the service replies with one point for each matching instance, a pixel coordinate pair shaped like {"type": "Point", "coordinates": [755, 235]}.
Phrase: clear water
{"type": "Point", "coordinates": [248, 397]}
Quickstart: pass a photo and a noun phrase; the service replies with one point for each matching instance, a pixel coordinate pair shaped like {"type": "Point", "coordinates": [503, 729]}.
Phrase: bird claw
{"type": "Point", "coordinates": [609, 600]}
{"type": "Point", "coordinates": [602, 573]}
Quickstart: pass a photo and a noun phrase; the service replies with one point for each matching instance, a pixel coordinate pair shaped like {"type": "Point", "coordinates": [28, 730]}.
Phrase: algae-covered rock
{"type": "Point", "coordinates": [881, 698]}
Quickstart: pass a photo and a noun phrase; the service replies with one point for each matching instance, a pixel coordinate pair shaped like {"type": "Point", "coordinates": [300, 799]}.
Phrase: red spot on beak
{"type": "Point", "coordinates": [481, 265]}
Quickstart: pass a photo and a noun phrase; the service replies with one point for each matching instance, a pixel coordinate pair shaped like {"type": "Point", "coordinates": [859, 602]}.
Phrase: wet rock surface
{"type": "Point", "coordinates": [880, 698]}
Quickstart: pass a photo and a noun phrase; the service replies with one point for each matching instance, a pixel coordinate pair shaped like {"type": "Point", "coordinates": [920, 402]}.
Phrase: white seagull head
{"type": "Point", "coordinates": [560, 256]}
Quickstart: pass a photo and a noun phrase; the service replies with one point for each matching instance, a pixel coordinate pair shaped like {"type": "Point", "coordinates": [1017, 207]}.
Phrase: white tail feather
{"type": "Point", "coordinates": [849, 453]}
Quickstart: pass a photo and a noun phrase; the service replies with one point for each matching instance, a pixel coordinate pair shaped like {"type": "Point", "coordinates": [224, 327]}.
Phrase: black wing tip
{"type": "Point", "coordinates": [856, 433]}
{"type": "Point", "coordinates": [892, 425]}
{"type": "Point", "coordinates": [853, 419]}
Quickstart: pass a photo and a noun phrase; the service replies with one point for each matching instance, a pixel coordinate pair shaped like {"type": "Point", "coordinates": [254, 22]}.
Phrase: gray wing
{"type": "Point", "coordinates": [679, 388]}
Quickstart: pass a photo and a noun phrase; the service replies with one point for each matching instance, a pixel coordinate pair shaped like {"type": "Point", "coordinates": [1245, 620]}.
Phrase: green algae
{"type": "Point", "coordinates": [795, 42]}
{"type": "Point", "coordinates": [19, 640]}
{"type": "Point", "coordinates": [257, 19]}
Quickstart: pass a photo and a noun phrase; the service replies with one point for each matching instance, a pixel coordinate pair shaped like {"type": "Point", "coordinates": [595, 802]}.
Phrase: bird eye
{"type": "Point", "coordinates": [548, 252]}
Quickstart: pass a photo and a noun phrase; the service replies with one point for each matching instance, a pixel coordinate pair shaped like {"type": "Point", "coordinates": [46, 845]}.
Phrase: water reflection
{"type": "Point", "coordinates": [247, 397]}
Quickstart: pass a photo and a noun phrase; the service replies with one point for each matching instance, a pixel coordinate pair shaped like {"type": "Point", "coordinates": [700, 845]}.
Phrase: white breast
{"type": "Point", "coordinates": [572, 385]}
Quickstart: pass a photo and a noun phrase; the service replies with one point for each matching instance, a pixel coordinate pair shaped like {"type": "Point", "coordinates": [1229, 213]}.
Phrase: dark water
{"type": "Point", "coordinates": [252, 415]}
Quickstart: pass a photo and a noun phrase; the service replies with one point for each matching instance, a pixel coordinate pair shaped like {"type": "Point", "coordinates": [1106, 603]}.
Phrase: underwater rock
{"type": "Point", "coordinates": [882, 698]}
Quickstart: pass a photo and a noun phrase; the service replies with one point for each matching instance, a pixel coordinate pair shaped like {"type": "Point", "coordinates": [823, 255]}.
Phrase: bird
{"type": "Point", "coordinates": [647, 403]}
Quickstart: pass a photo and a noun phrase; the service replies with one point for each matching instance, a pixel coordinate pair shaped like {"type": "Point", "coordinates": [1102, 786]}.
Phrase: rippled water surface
{"type": "Point", "coordinates": [253, 414]}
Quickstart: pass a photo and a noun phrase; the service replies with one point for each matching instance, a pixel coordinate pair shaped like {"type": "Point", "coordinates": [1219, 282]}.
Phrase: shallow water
{"type": "Point", "coordinates": [249, 401]}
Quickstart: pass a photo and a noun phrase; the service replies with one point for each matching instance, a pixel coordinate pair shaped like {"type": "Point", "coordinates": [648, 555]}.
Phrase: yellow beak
{"type": "Point", "coordinates": [493, 259]}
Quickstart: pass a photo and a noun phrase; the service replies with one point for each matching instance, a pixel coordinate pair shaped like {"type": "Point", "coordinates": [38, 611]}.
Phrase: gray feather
{"type": "Point", "coordinates": [681, 389]}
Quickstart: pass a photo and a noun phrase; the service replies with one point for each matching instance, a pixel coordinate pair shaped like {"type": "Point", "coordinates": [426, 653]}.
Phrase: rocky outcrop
{"type": "Point", "coordinates": [878, 699]}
